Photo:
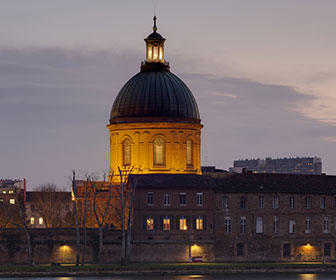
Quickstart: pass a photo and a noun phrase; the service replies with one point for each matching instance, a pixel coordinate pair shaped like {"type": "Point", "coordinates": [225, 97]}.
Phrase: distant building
{"type": "Point", "coordinates": [213, 172]}
{"type": "Point", "coordinates": [10, 188]}
{"type": "Point", "coordinates": [298, 165]}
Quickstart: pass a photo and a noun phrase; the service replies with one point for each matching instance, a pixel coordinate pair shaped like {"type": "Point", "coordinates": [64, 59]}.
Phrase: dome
{"type": "Point", "coordinates": [155, 95]}
{"type": "Point", "coordinates": [155, 35]}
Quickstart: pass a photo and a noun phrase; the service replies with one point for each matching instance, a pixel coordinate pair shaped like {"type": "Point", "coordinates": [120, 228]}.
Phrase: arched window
{"type": "Point", "coordinates": [159, 152]}
{"type": "Point", "coordinates": [189, 153]}
{"type": "Point", "coordinates": [126, 152]}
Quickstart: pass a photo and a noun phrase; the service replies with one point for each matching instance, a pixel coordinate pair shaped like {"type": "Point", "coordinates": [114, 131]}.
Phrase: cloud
{"type": "Point", "coordinates": [261, 120]}
{"type": "Point", "coordinates": [329, 139]}
{"type": "Point", "coordinates": [55, 103]}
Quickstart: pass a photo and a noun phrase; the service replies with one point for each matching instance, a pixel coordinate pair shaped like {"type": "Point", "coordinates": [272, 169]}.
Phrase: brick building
{"type": "Point", "coordinates": [240, 217]}
{"type": "Point", "coordinates": [9, 189]}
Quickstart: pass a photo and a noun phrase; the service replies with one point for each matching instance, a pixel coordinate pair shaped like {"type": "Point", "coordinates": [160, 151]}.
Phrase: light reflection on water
{"type": "Point", "coordinates": [266, 276]}
{"type": "Point", "coordinates": [307, 276]}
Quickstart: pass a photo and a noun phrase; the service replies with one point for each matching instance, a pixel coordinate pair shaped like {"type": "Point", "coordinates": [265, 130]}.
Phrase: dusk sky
{"type": "Point", "coordinates": [263, 73]}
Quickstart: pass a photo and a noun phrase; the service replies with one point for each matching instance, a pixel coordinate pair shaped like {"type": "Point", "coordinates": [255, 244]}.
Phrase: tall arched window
{"type": "Point", "coordinates": [189, 153]}
{"type": "Point", "coordinates": [159, 152]}
{"type": "Point", "coordinates": [127, 152]}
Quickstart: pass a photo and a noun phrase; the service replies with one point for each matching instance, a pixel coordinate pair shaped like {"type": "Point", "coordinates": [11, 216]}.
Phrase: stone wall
{"type": "Point", "coordinates": [59, 246]}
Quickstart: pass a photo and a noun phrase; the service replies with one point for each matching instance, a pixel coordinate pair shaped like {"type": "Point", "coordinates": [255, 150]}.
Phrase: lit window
{"type": "Point", "coordinates": [275, 202]}
{"type": "Point", "coordinates": [183, 198]}
{"type": "Point", "coordinates": [326, 225]}
{"type": "Point", "coordinates": [261, 202]}
{"type": "Point", "coordinates": [161, 54]}
{"type": "Point", "coordinates": [292, 226]}
{"type": "Point", "coordinates": [308, 225]}
{"type": "Point", "coordinates": [1, 200]}
{"type": "Point", "coordinates": [275, 224]}
{"type": "Point", "coordinates": [12, 201]}
{"type": "Point", "coordinates": [150, 223]}
{"type": "Point", "coordinates": [127, 152]}
{"type": "Point", "coordinates": [189, 153]}
{"type": "Point", "coordinates": [225, 202]}
{"type": "Point", "coordinates": [308, 202]}
{"type": "Point", "coordinates": [11, 192]}
{"type": "Point", "coordinates": [199, 199]}
{"type": "Point", "coordinates": [150, 198]}
{"type": "Point", "coordinates": [4, 192]}
{"type": "Point", "coordinates": [243, 202]}
{"type": "Point", "coordinates": [199, 223]}
{"type": "Point", "coordinates": [322, 202]}
{"type": "Point", "coordinates": [259, 225]}
{"type": "Point", "coordinates": [32, 220]}
{"type": "Point", "coordinates": [227, 225]}
{"type": "Point", "coordinates": [292, 202]}
{"type": "Point", "coordinates": [149, 52]}
{"type": "Point", "coordinates": [166, 223]}
{"type": "Point", "coordinates": [159, 152]}
{"type": "Point", "coordinates": [155, 53]}
{"type": "Point", "coordinates": [183, 223]}
{"type": "Point", "coordinates": [166, 199]}
{"type": "Point", "coordinates": [40, 221]}
{"type": "Point", "coordinates": [243, 225]}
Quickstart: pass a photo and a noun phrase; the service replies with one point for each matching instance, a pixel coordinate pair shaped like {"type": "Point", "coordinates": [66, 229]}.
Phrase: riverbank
{"type": "Point", "coordinates": [164, 269]}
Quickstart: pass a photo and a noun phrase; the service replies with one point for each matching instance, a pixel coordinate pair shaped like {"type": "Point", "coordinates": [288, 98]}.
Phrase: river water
{"type": "Point", "coordinates": [266, 276]}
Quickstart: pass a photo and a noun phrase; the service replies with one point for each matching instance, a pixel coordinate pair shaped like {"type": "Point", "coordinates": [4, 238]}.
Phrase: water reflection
{"type": "Point", "coordinates": [308, 276]}
{"type": "Point", "coordinates": [265, 276]}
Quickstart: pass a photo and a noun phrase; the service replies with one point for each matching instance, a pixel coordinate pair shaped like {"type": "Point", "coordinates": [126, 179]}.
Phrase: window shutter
{"type": "Point", "coordinates": [144, 218]}
{"type": "Point", "coordinates": [205, 222]}
{"type": "Point", "coordinates": [155, 218]}
{"type": "Point", "coordinates": [194, 221]}
{"type": "Point", "coordinates": [161, 222]}
{"type": "Point", "coordinates": [171, 222]}
{"type": "Point", "coordinates": [177, 222]}
{"type": "Point", "coordinates": [188, 222]}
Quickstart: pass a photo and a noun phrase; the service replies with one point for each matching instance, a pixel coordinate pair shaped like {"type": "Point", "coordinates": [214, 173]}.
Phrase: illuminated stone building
{"type": "Point", "coordinates": [155, 125]}
{"type": "Point", "coordinates": [155, 129]}
{"type": "Point", "coordinates": [180, 214]}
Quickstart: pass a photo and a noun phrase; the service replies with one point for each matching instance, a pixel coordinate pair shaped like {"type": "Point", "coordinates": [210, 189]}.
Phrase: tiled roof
{"type": "Point", "coordinates": [280, 183]}
{"type": "Point", "coordinates": [172, 181]}
{"type": "Point", "coordinates": [243, 183]}
{"type": "Point", "coordinates": [35, 196]}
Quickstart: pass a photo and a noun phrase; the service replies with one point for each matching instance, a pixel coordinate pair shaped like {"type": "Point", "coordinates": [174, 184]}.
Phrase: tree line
{"type": "Point", "coordinates": [95, 203]}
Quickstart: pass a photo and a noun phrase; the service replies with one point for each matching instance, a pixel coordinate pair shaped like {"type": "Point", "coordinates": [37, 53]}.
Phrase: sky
{"type": "Point", "coordinates": [263, 73]}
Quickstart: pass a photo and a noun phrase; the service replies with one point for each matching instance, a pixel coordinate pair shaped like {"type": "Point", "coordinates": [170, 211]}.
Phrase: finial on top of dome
{"type": "Point", "coordinates": [154, 27]}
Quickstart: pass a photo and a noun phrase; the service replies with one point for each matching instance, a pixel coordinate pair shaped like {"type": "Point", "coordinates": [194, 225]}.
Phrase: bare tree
{"type": "Point", "coordinates": [84, 220]}
{"type": "Point", "coordinates": [132, 187]}
{"type": "Point", "coordinates": [101, 205]}
{"type": "Point", "coordinates": [126, 204]}
{"type": "Point", "coordinates": [51, 204]}
{"type": "Point", "coordinates": [75, 197]}
{"type": "Point", "coordinates": [23, 226]}
{"type": "Point", "coordinates": [8, 216]}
